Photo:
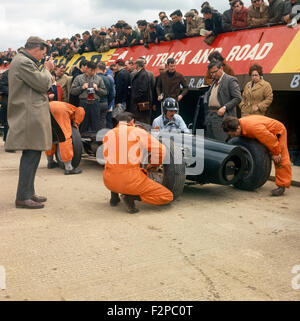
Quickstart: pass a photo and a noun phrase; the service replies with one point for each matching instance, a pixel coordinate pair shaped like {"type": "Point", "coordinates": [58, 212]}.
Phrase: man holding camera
{"type": "Point", "coordinates": [90, 87]}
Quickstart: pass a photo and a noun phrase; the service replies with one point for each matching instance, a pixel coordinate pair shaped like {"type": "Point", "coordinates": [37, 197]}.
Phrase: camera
{"type": "Point", "coordinates": [91, 90]}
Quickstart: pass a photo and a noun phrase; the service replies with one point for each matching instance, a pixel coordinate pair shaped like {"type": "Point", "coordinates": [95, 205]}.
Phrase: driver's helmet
{"type": "Point", "coordinates": [170, 104]}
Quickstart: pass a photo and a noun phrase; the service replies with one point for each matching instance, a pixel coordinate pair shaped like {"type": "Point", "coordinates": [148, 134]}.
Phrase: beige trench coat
{"type": "Point", "coordinates": [260, 95]}
{"type": "Point", "coordinates": [28, 110]}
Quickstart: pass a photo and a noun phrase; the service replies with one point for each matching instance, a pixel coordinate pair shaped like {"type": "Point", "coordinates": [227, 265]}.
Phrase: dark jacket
{"type": "Point", "coordinates": [87, 46]}
{"type": "Point", "coordinates": [276, 11]}
{"type": "Point", "coordinates": [4, 87]}
{"type": "Point", "coordinates": [227, 20]}
{"type": "Point", "coordinates": [179, 29]}
{"type": "Point", "coordinates": [288, 7]}
{"type": "Point", "coordinates": [140, 89]}
{"type": "Point", "coordinates": [122, 82]}
{"type": "Point", "coordinates": [109, 87]}
{"type": "Point", "coordinates": [131, 37]}
{"type": "Point", "coordinates": [170, 85]}
{"type": "Point", "coordinates": [162, 31]}
{"type": "Point", "coordinates": [214, 24]}
{"type": "Point", "coordinates": [229, 94]}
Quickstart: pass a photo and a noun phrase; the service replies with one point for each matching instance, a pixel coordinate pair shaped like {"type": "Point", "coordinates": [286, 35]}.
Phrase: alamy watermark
{"type": "Point", "coordinates": [2, 278]}
{"type": "Point", "coordinates": [121, 147]}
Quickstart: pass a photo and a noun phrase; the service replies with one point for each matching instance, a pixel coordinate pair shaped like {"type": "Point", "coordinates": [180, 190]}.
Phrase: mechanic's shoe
{"type": "Point", "coordinates": [52, 164]}
{"type": "Point", "coordinates": [39, 199]}
{"type": "Point", "coordinates": [114, 199]}
{"type": "Point", "coordinates": [72, 171]}
{"type": "Point", "coordinates": [278, 191]}
{"type": "Point", "coordinates": [28, 204]}
{"type": "Point", "coordinates": [129, 203]}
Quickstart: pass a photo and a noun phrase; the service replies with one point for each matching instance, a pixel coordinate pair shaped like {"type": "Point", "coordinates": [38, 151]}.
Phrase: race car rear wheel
{"type": "Point", "coordinates": [171, 174]}
{"type": "Point", "coordinates": [259, 163]}
{"type": "Point", "coordinates": [77, 150]}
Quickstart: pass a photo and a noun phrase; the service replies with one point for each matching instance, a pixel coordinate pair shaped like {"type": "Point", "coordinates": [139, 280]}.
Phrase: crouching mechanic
{"type": "Point", "coordinates": [123, 149]}
{"type": "Point", "coordinates": [170, 120]}
{"type": "Point", "coordinates": [273, 135]}
{"type": "Point", "coordinates": [66, 115]}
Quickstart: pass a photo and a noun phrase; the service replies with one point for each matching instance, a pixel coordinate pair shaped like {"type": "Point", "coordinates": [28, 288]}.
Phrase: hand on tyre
{"type": "Point", "coordinates": [277, 159]}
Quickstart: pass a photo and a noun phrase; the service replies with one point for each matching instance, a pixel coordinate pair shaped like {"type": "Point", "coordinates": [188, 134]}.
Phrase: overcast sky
{"type": "Point", "coordinates": [20, 19]}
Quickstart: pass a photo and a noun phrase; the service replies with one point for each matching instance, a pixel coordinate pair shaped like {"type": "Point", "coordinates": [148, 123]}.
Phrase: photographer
{"type": "Point", "coordinates": [89, 87]}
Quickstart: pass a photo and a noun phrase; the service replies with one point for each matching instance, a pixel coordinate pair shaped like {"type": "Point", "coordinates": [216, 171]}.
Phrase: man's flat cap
{"type": "Point", "coordinates": [36, 40]}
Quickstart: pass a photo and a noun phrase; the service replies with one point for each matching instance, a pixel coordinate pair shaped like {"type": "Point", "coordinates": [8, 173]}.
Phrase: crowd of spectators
{"type": "Point", "coordinates": [208, 23]}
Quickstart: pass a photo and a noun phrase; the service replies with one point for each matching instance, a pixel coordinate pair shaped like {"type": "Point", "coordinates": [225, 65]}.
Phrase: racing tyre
{"type": "Point", "coordinates": [259, 163]}
{"type": "Point", "coordinates": [77, 150]}
{"type": "Point", "coordinates": [171, 175]}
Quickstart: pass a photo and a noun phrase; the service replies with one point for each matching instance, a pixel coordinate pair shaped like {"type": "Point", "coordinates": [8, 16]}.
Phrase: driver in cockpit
{"type": "Point", "coordinates": [170, 120]}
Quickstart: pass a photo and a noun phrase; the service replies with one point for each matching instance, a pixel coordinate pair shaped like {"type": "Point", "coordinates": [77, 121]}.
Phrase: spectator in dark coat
{"type": "Point", "coordinates": [179, 24]}
{"type": "Point", "coordinates": [122, 83]}
{"type": "Point", "coordinates": [88, 43]}
{"type": "Point", "coordinates": [109, 97]}
{"type": "Point", "coordinates": [288, 10]}
{"type": "Point", "coordinates": [141, 93]}
{"type": "Point", "coordinates": [240, 15]}
{"type": "Point", "coordinates": [132, 37]}
{"type": "Point", "coordinates": [276, 11]}
{"type": "Point", "coordinates": [165, 30]}
{"type": "Point", "coordinates": [213, 21]}
{"type": "Point", "coordinates": [227, 18]}
{"type": "Point", "coordinates": [4, 94]}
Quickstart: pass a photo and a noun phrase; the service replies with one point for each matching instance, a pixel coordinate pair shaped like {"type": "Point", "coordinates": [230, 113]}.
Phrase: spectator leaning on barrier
{"type": "Point", "coordinates": [152, 31]}
{"type": "Point", "coordinates": [258, 13]}
{"type": "Point", "coordinates": [166, 31]}
{"type": "Point", "coordinates": [227, 18]}
{"type": "Point", "coordinates": [90, 88]}
{"type": "Point", "coordinates": [101, 41]}
{"type": "Point", "coordinates": [171, 83]}
{"type": "Point", "coordinates": [289, 5]}
{"type": "Point", "coordinates": [179, 24]}
{"type": "Point", "coordinates": [88, 44]}
{"type": "Point", "coordinates": [213, 24]}
{"type": "Point", "coordinates": [257, 95]}
{"type": "Point", "coordinates": [131, 36]}
{"type": "Point", "coordinates": [276, 11]}
{"type": "Point", "coordinates": [240, 15]}
{"type": "Point", "coordinates": [193, 24]}
{"type": "Point", "coordinates": [144, 35]}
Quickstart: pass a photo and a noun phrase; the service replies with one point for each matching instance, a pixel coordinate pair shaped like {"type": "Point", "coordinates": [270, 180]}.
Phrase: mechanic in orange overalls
{"type": "Point", "coordinates": [66, 115]}
{"type": "Point", "coordinates": [273, 135]}
{"type": "Point", "coordinates": [123, 150]}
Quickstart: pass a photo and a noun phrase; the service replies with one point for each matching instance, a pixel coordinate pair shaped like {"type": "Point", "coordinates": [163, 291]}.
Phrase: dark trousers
{"type": "Point", "coordinates": [4, 120]}
{"type": "Point", "coordinates": [28, 165]}
{"type": "Point", "coordinates": [214, 128]}
{"type": "Point", "coordinates": [95, 116]}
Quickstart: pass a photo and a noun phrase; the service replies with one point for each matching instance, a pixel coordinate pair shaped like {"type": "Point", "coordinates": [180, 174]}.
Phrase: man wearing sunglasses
{"type": "Point", "coordinates": [258, 13]}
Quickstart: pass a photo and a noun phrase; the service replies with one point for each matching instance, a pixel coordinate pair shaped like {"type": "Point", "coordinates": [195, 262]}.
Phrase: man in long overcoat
{"type": "Point", "coordinates": [29, 116]}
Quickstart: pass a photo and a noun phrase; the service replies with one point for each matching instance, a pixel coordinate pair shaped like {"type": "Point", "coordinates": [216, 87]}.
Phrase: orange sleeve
{"type": "Point", "coordinates": [268, 139]}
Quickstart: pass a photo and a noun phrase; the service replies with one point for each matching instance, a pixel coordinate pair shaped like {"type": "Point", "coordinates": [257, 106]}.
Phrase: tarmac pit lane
{"type": "Point", "coordinates": [214, 243]}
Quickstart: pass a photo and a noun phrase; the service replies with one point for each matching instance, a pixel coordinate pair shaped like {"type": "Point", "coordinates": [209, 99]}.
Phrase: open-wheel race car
{"type": "Point", "coordinates": [242, 162]}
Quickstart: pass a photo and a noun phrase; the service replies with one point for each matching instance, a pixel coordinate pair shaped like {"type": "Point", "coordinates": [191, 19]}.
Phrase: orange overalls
{"type": "Point", "coordinates": [123, 147]}
{"type": "Point", "coordinates": [273, 135]}
{"type": "Point", "coordinates": [64, 113]}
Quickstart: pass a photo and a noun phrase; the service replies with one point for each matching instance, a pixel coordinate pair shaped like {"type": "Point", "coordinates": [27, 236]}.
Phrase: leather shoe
{"type": "Point", "coordinates": [28, 204]}
{"type": "Point", "coordinates": [129, 203]}
{"type": "Point", "coordinates": [39, 199]}
{"type": "Point", "coordinates": [114, 199]}
{"type": "Point", "coordinates": [278, 191]}
{"type": "Point", "coordinates": [52, 165]}
{"type": "Point", "coordinates": [72, 171]}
